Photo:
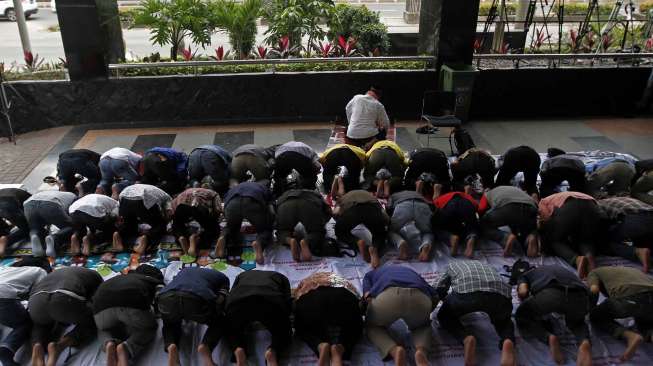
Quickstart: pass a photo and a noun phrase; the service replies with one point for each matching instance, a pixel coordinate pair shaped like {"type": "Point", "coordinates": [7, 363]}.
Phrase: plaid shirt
{"type": "Point", "coordinates": [464, 276]}
{"type": "Point", "coordinates": [616, 207]}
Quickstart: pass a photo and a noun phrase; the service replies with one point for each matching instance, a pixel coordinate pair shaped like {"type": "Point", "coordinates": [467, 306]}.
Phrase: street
{"type": "Point", "coordinates": [48, 44]}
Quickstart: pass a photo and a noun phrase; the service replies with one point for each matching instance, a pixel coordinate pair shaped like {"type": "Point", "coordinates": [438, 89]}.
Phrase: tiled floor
{"type": "Point", "coordinates": [36, 154]}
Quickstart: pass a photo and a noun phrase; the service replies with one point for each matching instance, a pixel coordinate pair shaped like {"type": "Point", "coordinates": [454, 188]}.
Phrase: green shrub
{"type": "Point", "coordinates": [361, 24]}
{"type": "Point", "coordinates": [645, 6]}
{"type": "Point", "coordinates": [581, 9]}
{"type": "Point", "coordinates": [484, 8]}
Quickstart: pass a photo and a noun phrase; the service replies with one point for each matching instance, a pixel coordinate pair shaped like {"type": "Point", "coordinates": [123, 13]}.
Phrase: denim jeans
{"type": "Point", "coordinates": [411, 221]}
{"type": "Point", "coordinates": [116, 168]}
{"type": "Point", "coordinates": [14, 315]}
{"type": "Point", "coordinates": [41, 214]}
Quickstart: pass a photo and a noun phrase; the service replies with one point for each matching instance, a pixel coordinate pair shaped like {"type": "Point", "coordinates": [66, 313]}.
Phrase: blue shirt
{"type": "Point", "coordinates": [203, 282]}
{"type": "Point", "coordinates": [596, 165]}
{"type": "Point", "coordinates": [253, 190]}
{"type": "Point", "coordinates": [218, 150]}
{"type": "Point", "coordinates": [378, 280]}
{"type": "Point", "coordinates": [179, 157]}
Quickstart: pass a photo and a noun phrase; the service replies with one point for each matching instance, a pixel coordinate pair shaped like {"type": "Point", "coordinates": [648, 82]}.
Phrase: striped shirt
{"type": "Point", "coordinates": [465, 276]}
{"type": "Point", "coordinates": [616, 207]}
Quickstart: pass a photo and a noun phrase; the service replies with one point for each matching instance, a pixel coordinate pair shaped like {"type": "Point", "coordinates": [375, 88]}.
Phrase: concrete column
{"type": "Point", "coordinates": [499, 28]}
{"type": "Point", "coordinates": [522, 9]}
{"type": "Point", "coordinates": [429, 27]}
{"type": "Point", "coordinates": [22, 26]}
{"type": "Point", "coordinates": [411, 14]}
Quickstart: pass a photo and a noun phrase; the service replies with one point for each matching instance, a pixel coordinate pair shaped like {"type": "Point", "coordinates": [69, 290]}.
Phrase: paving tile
{"type": "Point", "coordinates": [146, 142]}
{"type": "Point", "coordinates": [232, 140]}
{"type": "Point", "coordinates": [315, 138]}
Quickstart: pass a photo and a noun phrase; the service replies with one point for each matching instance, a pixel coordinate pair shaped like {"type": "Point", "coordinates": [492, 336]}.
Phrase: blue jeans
{"type": "Point", "coordinates": [15, 316]}
{"type": "Point", "coordinates": [115, 168]}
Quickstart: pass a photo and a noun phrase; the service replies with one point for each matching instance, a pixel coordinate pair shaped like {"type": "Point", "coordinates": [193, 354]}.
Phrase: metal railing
{"type": "Point", "coordinates": [428, 61]}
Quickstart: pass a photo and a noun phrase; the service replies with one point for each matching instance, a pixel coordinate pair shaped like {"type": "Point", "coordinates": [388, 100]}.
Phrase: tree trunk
{"type": "Point", "coordinates": [113, 43]}
{"type": "Point", "coordinates": [429, 27]}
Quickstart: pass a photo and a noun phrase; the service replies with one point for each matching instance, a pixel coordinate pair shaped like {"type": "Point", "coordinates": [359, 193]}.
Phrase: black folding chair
{"type": "Point", "coordinates": [437, 111]}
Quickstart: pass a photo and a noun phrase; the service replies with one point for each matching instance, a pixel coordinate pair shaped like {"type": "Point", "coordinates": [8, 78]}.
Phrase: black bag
{"type": "Point", "coordinates": [333, 248]}
{"type": "Point", "coordinates": [462, 139]}
{"type": "Point", "coordinates": [517, 270]}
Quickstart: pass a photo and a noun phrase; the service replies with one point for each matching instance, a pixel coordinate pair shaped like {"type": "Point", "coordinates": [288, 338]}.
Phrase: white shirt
{"type": "Point", "coordinates": [365, 114]}
{"type": "Point", "coordinates": [63, 199]}
{"type": "Point", "coordinates": [120, 153]}
{"type": "Point", "coordinates": [96, 205]}
{"type": "Point", "coordinates": [16, 282]}
{"type": "Point", "coordinates": [150, 195]}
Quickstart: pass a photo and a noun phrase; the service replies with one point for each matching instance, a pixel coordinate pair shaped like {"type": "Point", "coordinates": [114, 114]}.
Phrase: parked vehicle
{"type": "Point", "coordinates": [7, 9]}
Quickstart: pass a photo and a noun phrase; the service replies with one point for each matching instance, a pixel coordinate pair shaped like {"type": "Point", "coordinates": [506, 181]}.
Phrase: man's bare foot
{"type": "Point", "coordinates": [220, 247]}
{"type": "Point", "coordinates": [591, 262]}
{"type": "Point", "coordinates": [205, 355]}
{"type": "Point", "coordinates": [3, 245]}
{"type": "Point", "coordinates": [425, 253]}
{"type": "Point", "coordinates": [581, 266]}
{"type": "Point", "coordinates": [421, 357]}
{"type": "Point", "coordinates": [554, 349]}
{"type": "Point", "coordinates": [192, 248]}
{"type": "Point", "coordinates": [115, 194]}
{"type": "Point", "coordinates": [173, 355]}
{"type": "Point", "coordinates": [403, 251]}
{"type": "Point", "coordinates": [258, 252]}
{"type": "Point", "coordinates": [633, 340]}
{"type": "Point", "coordinates": [533, 246]}
{"type": "Point", "coordinates": [75, 245]}
{"type": "Point", "coordinates": [271, 357]}
{"type": "Point", "coordinates": [337, 350]}
{"type": "Point", "coordinates": [469, 248]}
{"type": "Point", "coordinates": [38, 355]}
{"type": "Point", "coordinates": [510, 242]}
{"type": "Point", "coordinates": [375, 261]}
{"type": "Point", "coordinates": [141, 244]}
{"type": "Point", "coordinates": [183, 241]}
{"type": "Point", "coordinates": [584, 357]}
{"type": "Point", "coordinates": [508, 353]}
{"type": "Point", "coordinates": [437, 190]}
{"type": "Point", "coordinates": [86, 245]}
{"type": "Point", "coordinates": [112, 356]}
{"type": "Point", "coordinates": [454, 241]}
{"type": "Point", "coordinates": [123, 355]}
{"type": "Point", "coordinates": [362, 248]}
{"type": "Point", "coordinates": [294, 249]}
{"type": "Point", "coordinates": [644, 255]}
{"type": "Point", "coordinates": [241, 357]}
{"type": "Point", "coordinates": [380, 189]}
{"type": "Point", "coordinates": [305, 251]}
{"type": "Point", "coordinates": [398, 354]}
{"type": "Point", "coordinates": [118, 245]}
{"type": "Point", "coordinates": [419, 186]}
{"type": "Point", "coordinates": [53, 354]}
{"type": "Point", "coordinates": [324, 358]}
{"type": "Point", "coordinates": [386, 189]}
{"type": "Point", "coordinates": [469, 347]}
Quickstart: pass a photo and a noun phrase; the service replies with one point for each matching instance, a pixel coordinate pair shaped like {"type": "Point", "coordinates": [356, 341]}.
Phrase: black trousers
{"type": "Point", "coordinates": [520, 217]}
{"type": "Point", "coordinates": [573, 303]}
{"type": "Point", "coordinates": [496, 306]}
{"type": "Point", "coordinates": [312, 216]}
{"type": "Point", "coordinates": [52, 312]}
{"type": "Point", "coordinates": [177, 306]}
{"type": "Point", "coordinates": [288, 161]}
{"type": "Point", "coordinates": [637, 306]}
{"type": "Point", "coordinates": [474, 163]}
{"type": "Point", "coordinates": [573, 229]}
{"type": "Point", "coordinates": [209, 222]}
{"type": "Point", "coordinates": [67, 167]}
{"type": "Point", "coordinates": [383, 158]}
{"type": "Point", "coordinates": [259, 215]}
{"type": "Point", "coordinates": [202, 163]}
{"type": "Point", "coordinates": [256, 165]}
{"type": "Point", "coordinates": [553, 177]}
{"type": "Point", "coordinates": [637, 228]}
{"type": "Point", "coordinates": [102, 227]}
{"type": "Point", "coordinates": [329, 315]}
{"type": "Point", "coordinates": [134, 212]}
{"type": "Point", "coordinates": [458, 217]}
{"type": "Point", "coordinates": [428, 160]}
{"type": "Point", "coordinates": [337, 158]}
{"type": "Point", "coordinates": [16, 216]}
{"type": "Point", "coordinates": [162, 174]}
{"type": "Point", "coordinates": [267, 310]}
{"type": "Point", "coordinates": [520, 159]}
{"type": "Point", "coordinates": [369, 214]}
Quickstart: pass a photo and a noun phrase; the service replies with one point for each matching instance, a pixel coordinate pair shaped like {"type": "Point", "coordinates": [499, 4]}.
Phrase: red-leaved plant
{"type": "Point", "coordinates": [505, 47]}
{"type": "Point", "coordinates": [188, 54]}
{"type": "Point", "coordinates": [325, 49]}
{"type": "Point", "coordinates": [573, 37]}
{"type": "Point", "coordinates": [32, 62]}
{"type": "Point", "coordinates": [477, 45]}
{"type": "Point", "coordinates": [220, 54]}
{"type": "Point", "coordinates": [606, 41]}
{"type": "Point", "coordinates": [590, 41]}
{"type": "Point", "coordinates": [649, 44]}
{"type": "Point", "coordinates": [261, 52]}
{"type": "Point", "coordinates": [347, 47]}
{"type": "Point", "coordinates": [539, 39]}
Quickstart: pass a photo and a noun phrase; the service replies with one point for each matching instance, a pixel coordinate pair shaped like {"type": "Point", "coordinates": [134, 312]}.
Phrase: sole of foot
{"type": "Point", "coordinates": [324, 358]}
{"type": "Point", "coordinates": [141, 245]}
{"type": "Point", "coordinates": [337, 350]}
{"type": "Point", "coordinates": [117, 244]}
{"type": "Point", "coordinates": [241, 357]}
{"type": "Point", "coordinates": [398, 354]}
{"type": "Point", "coordinates": [375, 261]}
{"type": "Point", "coordinates": [403, 251]}
{"type": "Point", "coordinates": [469, 248]}
{"type": "Point", "coordinates": [425, 253]}
{"type": "Point", "coordinates": [112, 356]}
{"type": "Point", "coordinates": [644, 256]}
{"type": "Point", "coordinates": [271, 358]}
{"type": "Point", "coordinates": [305, 251]}
{"type": "Point", "coordinates": [38, 355]}
{"type": "Point", "coordinates": [362, 248]}
{"type": "Point", "coordinates": [533, 247]}
{"type": "Point", "coordinates": [633, 340]}
{"type": "Point", "coordinates": [584, 357]}
{"type": "Point", "coordinates": [123, 355]}
{"type": "Point", "coordinates": [581, 266]}
{"type": "Point", "coordinates": [510, 242]}
{"type": "Point", "coordinates": [220, 247]}
{"type": "Point", "coordinates": [205, 355]}
{"type": "Point", "coordinates": [75, 247]}
{"type": "Point", "coordinates": [294, 249]}
{"type": "Point", "coordinates": [554, 349]}
{"type": "Point", "coordinates": [173, 355]}
{"type": "Point", "coordinates": [469, 347]}
{"type": "Point", "coordinates": [53, 354]}
{"type": "Point", "coordinates": [421, 358]}
{"type": "Point", "coordinates": [454, 241]}
{"type": "Point", "coordinates": [508, 353]}
{"type": "Point", "coordinates": [86, 246]}
{"type": "Point", "coordinates": [258, 252]}
{"type": "Point", "coordinates": [192, 248]}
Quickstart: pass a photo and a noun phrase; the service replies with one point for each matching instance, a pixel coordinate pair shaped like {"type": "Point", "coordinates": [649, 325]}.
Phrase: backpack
{"type": "Point", "coordinates": [462, 139]}
{"type": "Point", "coordinates": [517, 270]}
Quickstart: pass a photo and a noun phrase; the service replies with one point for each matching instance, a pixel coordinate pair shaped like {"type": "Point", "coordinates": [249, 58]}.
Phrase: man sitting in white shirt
{"type": "Point", "coordinates": [368, 120]}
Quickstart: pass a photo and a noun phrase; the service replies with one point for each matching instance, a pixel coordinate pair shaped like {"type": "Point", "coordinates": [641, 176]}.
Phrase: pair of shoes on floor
{"type": "Point", "coordinates": [427, 130]}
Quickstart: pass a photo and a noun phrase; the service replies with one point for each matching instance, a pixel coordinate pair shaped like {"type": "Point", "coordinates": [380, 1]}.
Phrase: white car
{"type": "Point", "coordinates": [53, 6]}
{"type": "Point", "coordinates": [7, 9]}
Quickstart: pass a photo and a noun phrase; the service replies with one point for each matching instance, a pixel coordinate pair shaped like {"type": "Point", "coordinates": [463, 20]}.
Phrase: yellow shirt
{"type": "Point", "coordinates": [389, 145]}
{"type": "Point", "coordinates": [355, 149]}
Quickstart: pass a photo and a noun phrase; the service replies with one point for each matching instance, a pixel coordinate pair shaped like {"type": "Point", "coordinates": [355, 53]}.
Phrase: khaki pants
{"type": "Point", "coordinates": [394, 303]}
